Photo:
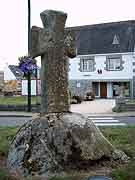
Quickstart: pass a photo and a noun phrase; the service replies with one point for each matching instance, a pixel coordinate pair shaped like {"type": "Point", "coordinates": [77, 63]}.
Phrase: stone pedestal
{"type": "Point", "coordinates": [57, 141]}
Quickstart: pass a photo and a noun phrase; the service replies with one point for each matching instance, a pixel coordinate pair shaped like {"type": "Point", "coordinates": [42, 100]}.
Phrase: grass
{"type": "Point", "coordinates": [6, 135]}
{"type": "Point", "coordinates": [4, 174]}
{"type": "Point", "coordinates": [121, 137]}
{"type": "Point", "coordinates": [23, 100]}
{"type": "Point", "coordinates": [18, 99]}
{"type": "Point", "coordinates": [126, 172]}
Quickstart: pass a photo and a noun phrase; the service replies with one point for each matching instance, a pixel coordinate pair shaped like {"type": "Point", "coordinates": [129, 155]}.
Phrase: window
{"type": "Point", "coordinates": [121, 89]}
{"type": "Point", "coordinates": [115, 39]}
{"type": "Point", "coordinates": [87, 64]}
{"type": "Point", "coordinates": [114, 63]}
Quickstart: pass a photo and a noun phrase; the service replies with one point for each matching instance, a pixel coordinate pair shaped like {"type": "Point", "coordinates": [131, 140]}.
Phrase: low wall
{"type": "Point", "coordinates": [124, 105]}
{"type": "Point", "coordinates": [80, 87]}
{"type": "Point", "coordinates": [21, 107]}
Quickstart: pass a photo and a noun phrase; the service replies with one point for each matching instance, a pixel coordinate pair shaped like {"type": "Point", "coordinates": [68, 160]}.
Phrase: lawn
{"type": "Point", "coordinates": [18, 99]}
{"type": "Point", "coordinates": [120, 137]}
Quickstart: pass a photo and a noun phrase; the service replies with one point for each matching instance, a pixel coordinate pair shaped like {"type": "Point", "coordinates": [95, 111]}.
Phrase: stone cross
{"type": "Point", "coordinates": [54, 44]}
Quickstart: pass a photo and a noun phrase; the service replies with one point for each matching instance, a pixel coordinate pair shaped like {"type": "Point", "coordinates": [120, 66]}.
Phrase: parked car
{"type": "Point", "coordinates": [75, 99]}
{"type": "Point", "coordinates": [90, 96]}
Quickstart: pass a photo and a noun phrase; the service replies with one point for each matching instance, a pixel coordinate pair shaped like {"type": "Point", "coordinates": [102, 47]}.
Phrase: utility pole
{"type": "Point", "coordinates": [29, 47]}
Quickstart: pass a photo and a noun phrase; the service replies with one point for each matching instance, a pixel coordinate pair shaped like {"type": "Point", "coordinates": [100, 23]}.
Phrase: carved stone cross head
{"type": "Point", "coordinates": [54, 44]}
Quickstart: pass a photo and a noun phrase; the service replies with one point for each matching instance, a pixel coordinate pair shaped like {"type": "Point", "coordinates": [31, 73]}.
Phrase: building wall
{"type": "Point", "coordinates": [80, 87]}
{"type": "Point", "coordinates": [100, 60]}
{"type": "Point", "coordinates": [8, 75]}
{"type": "Point", "coordinates": [35, 87]}
{"type": "Point", "coordinates": [133, 86]}
{"type": "Point", "coordinates": [86, 78]}
{"type": "Point", "coordinates": [109, 90]}
{"type": "Point", "coordinates": [1, 80]}
{"type": "Point", "coordinates": [133, 82]}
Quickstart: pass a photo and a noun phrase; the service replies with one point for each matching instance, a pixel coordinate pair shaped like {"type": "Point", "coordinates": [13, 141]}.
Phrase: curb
{"type": "Point", "coordinates": [9, 115]}
{"type": "Point", "coordinates": [106, 115]}
{"type": "Point", "coordinates": [85, 114]}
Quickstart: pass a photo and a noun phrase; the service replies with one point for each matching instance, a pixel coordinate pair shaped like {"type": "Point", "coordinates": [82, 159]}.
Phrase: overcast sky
{"type": "Point", "coordinates": [13, 19]}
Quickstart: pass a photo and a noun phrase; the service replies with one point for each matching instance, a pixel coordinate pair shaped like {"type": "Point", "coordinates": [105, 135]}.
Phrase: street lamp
{"type": "Point", "coordinates": [29, 47]}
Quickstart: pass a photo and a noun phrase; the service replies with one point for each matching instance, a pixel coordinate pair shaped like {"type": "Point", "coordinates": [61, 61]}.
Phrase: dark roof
{"type": "Point", "coordinates": [98, 38]}
{"type": "Point", "coordinates": [16, 71]}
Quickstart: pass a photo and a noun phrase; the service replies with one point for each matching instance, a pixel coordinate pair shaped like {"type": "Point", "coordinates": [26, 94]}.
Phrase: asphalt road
{"type": "Point", "coordinates": [113, 120]}
{"type": "Point", "coordinates": [99, 120]}
{"type": "Point", "coordinates": [13, 121]}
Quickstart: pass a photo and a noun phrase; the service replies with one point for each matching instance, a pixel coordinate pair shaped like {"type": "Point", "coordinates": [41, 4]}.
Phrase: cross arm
{"type": "Point", "coordinates": [40, 41]}
{"type": "Point", "coordinates": [70, 44]}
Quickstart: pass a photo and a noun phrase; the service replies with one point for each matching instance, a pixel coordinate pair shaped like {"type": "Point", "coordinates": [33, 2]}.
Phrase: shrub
{"type": "Point", "coordinates": [76, 99]}
{"type": "Point", "coordinates": [117, 109]}
{"type": "Point", "coordinates": [90, 96]}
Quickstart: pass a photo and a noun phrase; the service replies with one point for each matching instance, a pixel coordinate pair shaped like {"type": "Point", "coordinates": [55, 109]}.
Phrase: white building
{"type": "Point", "coordinates": [105, 63]}
{"type": "Point", "coordinates": [17, 82]}
{"type": "Point", "coordinates": [35, 87]}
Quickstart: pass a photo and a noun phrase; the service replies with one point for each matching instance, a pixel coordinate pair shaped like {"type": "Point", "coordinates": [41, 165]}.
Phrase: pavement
{"type": "Point", "coordinates": [94, 107]}
{"type": "Point", "coordinates": [15, 114]}
{"type": "Point", "coordinates": [98, 107]}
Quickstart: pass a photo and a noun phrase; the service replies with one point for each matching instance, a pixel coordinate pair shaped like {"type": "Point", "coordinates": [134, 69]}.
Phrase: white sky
{"type": "Point", "coordinates": [13, 19]}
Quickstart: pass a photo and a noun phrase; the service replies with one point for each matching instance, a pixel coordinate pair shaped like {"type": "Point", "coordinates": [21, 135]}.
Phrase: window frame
{"type": "Point", "coordinates": [114, 64]}
{"type": "Point", "coordinates": [87, 64]}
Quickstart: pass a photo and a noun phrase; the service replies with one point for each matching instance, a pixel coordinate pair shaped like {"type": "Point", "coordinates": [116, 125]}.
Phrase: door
{"type": "Point", "coordinates": [103, 89]}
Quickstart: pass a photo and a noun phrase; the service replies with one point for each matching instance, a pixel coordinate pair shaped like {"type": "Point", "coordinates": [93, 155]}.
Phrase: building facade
{"type": "Point", "coordinates": [105, 63]}
{"type": "Point", "coordinates": [12, 80]}
{"type": "Point", "coordinates": [17, 84]}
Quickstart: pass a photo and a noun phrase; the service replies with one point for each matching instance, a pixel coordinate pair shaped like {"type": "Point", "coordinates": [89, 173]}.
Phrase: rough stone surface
{"type": "Point", "coordinates": [56, 141]}
{"type": "Point", "coordinates": [118, 154]}
{"type": "Point", "coordinates": [54, 45]}
{"type": "Point", "coordinates": [85, 85]}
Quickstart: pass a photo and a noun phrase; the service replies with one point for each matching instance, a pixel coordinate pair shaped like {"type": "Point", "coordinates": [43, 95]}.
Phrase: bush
{"type": "Point", "coordinates": [117, 109]}
{"type": "Point", "coordinates": [76, 99]}
{"type": "Point", "coordinates": [89, 96]}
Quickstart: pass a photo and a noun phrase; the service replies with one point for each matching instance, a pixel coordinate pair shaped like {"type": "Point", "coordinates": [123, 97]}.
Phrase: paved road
{"type": "Point", "coordinates": [99, 120]}
{"type": "Point", "coordinates": [112, 121]}
{"type": "Point", "coordinates": [13, 121]}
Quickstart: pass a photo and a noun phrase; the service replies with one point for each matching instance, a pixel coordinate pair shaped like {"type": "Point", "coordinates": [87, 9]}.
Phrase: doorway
{"type": "Point", "coordinates": [103, 89]}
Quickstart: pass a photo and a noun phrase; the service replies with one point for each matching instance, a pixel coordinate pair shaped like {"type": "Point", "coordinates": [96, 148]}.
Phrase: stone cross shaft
{"type": "Point", "coordinates": [54, 46]}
